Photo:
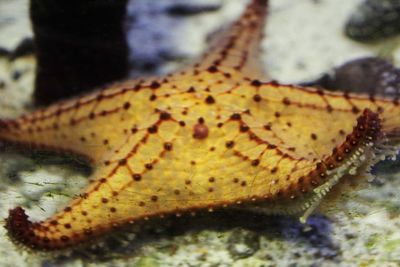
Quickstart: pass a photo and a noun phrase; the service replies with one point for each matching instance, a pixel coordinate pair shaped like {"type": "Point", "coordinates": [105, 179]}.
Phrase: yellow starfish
{"type": "Point", "coordinates": [210, 136]}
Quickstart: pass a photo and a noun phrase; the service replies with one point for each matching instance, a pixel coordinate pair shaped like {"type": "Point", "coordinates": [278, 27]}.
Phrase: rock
{"type": "Point", "coordinates": [190, 9]}
{"type": "Point", "coordinates": [243, 243]}
{"type": "Point", "coordinates": [374, 20]}
{"type": "Point", "coordinates": [24, 48]}
{"type": "Point", "coordinates": [369, 75]}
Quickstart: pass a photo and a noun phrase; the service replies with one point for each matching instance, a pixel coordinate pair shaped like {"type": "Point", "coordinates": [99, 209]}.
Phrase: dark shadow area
{"type": "Point", "coordinates": [387, 166]}
{"type": "Point", "coordinates": [25, 48]}
{"type": "Point", "coordinates": [28, 159]}
{"type": "Point", "coordinates": [79, 45]}
{"type": "Point", "coordinates": [246, 227]}
{"type": "Point", "coordinates": [181, 10]}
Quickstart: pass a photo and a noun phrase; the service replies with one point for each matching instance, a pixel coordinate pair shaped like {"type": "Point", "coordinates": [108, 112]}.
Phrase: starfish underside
{"type": "Point", "coordinates": [212, 135]}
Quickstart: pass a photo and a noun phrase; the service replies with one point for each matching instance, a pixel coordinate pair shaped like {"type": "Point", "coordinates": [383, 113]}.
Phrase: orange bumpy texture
{"type": "Point", "coordinates": [209, 136]}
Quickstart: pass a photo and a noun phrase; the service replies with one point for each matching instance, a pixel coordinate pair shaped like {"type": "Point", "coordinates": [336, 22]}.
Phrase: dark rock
{"type": "Point", "coordinates": [190, 9]}
{"type": "Point", "coordinates": [350, 236]}
{"type": "Point", "coordinates": [317, 233]}
{"type": "Point", "coordinates": [388, 166]}
{"type": "Point", "coordinates": [374, 20]}
{"type": "Point", "coordinates": [24, 48]}
{"type": "Point", "coordinates": [243, 243]}
{"type": "Point", "coordinates": [2, 84]}
{"type": "Point", "coordinates": [378, 182]}
{"type": "Point", "coordinates": [16, 74]}
{"type": "Point", "coordinates": [370, 75]}
{"type": "Point", "coordinates": [4, 52]}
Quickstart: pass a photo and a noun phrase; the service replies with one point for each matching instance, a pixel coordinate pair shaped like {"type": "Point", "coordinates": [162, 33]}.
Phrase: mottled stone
{"type": "Point", "coordinates": [373, 20]}
{"type": "Point", "coordinates": [370, 75]}
{"type": "Point", "coordinates": [243, 243]}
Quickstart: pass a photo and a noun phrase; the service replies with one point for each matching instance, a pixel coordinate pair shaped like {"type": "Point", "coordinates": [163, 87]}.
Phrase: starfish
{"type": "Point", "coordinates": [212, 135]}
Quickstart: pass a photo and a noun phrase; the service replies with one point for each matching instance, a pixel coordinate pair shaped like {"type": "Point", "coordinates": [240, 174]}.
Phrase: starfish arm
{"type": "Point", "coordinates": [319, 119]}
{"type": "Point", "coordinates": [89, 125]}
{"type": "Point", "coordinates": [238, 46]}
